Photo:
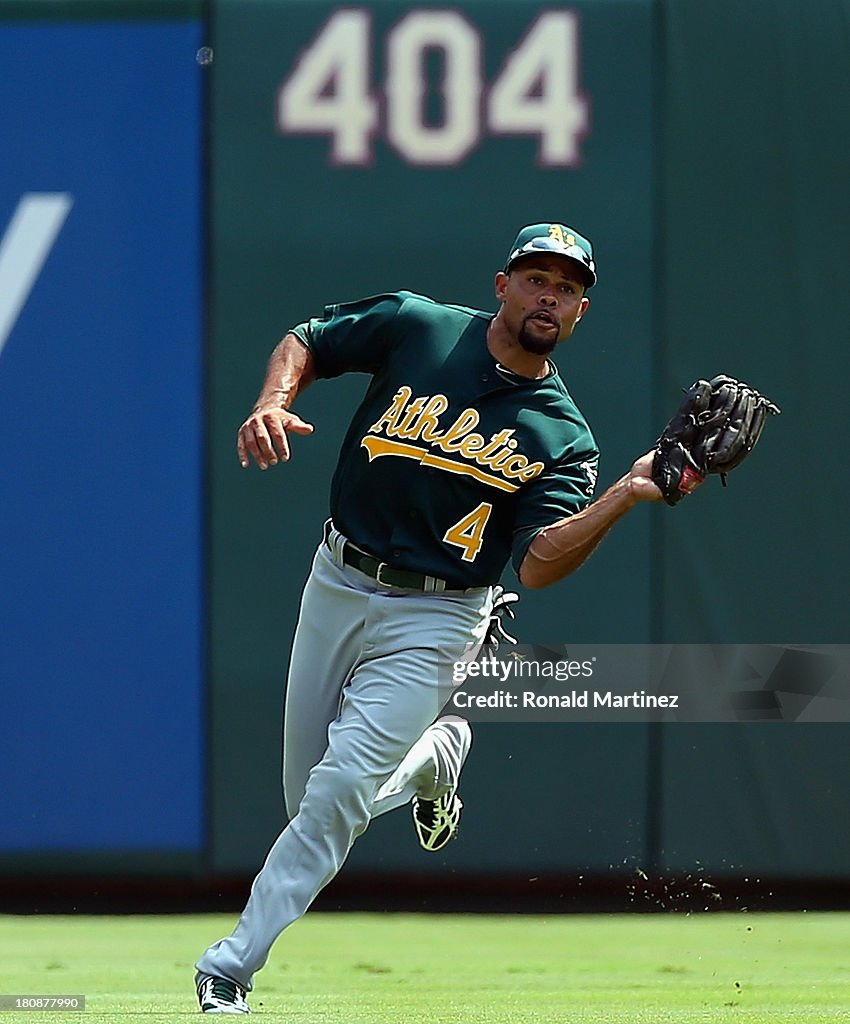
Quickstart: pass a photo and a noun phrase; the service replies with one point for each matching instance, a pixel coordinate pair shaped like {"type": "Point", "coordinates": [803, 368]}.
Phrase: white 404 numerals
{"type": "Point", "coordinates": [536, 92]}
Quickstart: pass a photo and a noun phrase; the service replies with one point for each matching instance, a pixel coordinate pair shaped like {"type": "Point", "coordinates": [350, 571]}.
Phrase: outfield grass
{"type": "Point", "coordinates": [440, 969]}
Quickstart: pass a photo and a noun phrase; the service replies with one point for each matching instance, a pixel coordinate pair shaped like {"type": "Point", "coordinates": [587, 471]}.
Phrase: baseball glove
{"type": "Point", "coordinates": [714, 429]}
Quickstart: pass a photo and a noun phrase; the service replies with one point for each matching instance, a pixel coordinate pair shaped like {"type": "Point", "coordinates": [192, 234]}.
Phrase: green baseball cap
{"type": "Point", "coordinates": [557, 238]}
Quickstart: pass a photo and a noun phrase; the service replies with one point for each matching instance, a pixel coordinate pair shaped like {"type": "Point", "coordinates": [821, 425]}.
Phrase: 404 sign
{"type": "Point", "coordinates": [329, 90]}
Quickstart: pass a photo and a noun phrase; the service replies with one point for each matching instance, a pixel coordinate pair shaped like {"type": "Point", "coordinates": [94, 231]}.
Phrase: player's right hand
{"type": "Point", "coordinates": [263, 436]}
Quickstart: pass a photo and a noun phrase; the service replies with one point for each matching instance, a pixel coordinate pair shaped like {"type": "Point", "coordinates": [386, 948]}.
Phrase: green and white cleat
{"type": "Point", "coordinates": [437, 822]}
{"type": "Point", "coordinates": [220, 995]}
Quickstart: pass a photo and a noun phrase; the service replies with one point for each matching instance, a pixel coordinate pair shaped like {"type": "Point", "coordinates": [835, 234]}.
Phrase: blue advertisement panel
{"type": "Point", "coordinates": [100, 437]}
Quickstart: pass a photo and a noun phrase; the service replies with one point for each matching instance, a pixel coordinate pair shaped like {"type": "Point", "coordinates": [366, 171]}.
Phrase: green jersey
{"type": "Point", "coordinates": [452, 463]}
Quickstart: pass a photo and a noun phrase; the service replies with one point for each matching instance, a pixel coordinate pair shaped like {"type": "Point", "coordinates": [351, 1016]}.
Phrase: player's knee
{"type": "Point", "coordinates": [293, 794]}
{"type": "Point", "coordinates": [337, 797]}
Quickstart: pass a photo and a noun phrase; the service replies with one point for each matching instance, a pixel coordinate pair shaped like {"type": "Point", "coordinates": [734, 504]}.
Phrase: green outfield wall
{"type": "Point", "coordinates": [392, 195]}
{"type": "Point", "coordinates": [708, 164]}
{"type": "Point", "coordinates": [754, 275]}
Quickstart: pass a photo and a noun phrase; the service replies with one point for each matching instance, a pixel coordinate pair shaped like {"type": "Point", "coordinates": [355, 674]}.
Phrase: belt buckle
{"type": "Point", "coordinates": [381, 566]}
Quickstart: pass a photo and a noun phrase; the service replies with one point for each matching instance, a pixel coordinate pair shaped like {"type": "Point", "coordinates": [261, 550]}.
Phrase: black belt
{"type": "Point", "coordinates": [381, 572]}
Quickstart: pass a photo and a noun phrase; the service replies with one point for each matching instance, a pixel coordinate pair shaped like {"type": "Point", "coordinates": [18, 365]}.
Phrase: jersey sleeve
{"type": "Point", "coordinates": [352, 336]}
{"type": "Point", "coordinates": [562, 491]}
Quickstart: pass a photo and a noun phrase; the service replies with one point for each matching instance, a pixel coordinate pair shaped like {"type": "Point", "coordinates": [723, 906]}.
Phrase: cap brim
{"type": "Point", "coordinates": [587, 273]}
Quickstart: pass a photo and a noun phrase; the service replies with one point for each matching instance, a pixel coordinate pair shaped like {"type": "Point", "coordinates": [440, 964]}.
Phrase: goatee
{"type": "Point", "coordinates": [536, 345]}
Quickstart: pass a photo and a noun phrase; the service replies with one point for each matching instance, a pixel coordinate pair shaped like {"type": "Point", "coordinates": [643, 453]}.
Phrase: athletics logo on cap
{"type": "Point", "coordinates": [555, 238]}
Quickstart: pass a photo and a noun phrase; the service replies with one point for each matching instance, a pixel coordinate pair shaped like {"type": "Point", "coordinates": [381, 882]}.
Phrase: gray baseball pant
{"type": "Point", "coordinates": [360, 736]}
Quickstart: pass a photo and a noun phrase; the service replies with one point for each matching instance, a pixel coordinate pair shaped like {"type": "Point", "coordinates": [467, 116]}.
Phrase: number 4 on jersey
{"type": "Point", "coordinates": [468, 533]}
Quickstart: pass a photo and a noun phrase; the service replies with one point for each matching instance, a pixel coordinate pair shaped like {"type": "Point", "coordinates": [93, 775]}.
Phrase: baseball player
{"type": "Point", "coordinates": [466, 451]}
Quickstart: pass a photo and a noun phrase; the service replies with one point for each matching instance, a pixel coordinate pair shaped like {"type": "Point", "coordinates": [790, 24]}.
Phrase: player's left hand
{"type": "Point", "coordinates": [641, 484]}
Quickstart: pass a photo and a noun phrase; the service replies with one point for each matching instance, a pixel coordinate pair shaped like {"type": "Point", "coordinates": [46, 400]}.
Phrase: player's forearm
{"type": "Point", "coordinates": [561, 548]}
{"type": "Point", "coordinates": [289, 371]}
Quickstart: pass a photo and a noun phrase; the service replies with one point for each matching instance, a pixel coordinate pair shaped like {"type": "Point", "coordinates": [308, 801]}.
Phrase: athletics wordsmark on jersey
{"type": "Point", "coordinates": [419, 420]}
{"type": "Point", "coordinates": [376, 446]}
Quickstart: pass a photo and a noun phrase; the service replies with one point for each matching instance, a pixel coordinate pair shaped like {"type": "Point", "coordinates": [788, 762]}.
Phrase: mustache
{"type": "Point", "coordinates": [544, 314]}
